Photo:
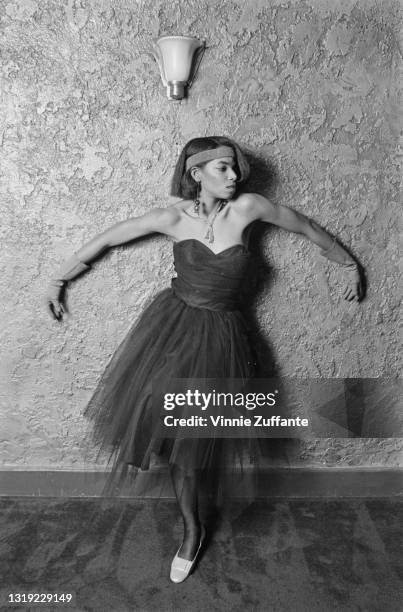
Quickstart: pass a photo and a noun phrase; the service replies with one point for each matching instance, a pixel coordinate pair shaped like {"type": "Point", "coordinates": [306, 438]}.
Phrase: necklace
{"type": "Point", "coordinates": [211, 218]}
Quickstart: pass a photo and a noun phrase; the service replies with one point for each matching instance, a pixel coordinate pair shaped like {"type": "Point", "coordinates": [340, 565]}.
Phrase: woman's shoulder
{"type": "Point", "coordinates": [172, 210]}
{"type": "Point", "coordinates": [178, 204]}
{"type": "Point", "coordinates": [251, 205]}
{"type": "Point", "coordinates": [164, 217]}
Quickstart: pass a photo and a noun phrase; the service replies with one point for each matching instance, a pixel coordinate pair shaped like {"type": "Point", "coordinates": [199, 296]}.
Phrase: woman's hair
{"type": "Point", "coordinates": [183, 184]}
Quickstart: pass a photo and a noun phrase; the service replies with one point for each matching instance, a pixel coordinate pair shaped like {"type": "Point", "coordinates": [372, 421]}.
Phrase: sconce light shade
{"type": "Point", "coordinates": [178, 58]}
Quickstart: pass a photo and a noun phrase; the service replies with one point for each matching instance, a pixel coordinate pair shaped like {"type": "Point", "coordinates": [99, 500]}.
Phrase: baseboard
{"type": "Point", "coordinates": [276, 482]}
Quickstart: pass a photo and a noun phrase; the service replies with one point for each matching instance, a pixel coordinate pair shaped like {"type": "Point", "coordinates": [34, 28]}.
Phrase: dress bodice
{"type": "Point", "coordinates": [209, 280]}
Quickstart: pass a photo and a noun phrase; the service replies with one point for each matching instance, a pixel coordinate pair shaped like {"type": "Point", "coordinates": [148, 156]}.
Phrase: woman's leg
{"type": "Point", "coordinates": [186, 491]}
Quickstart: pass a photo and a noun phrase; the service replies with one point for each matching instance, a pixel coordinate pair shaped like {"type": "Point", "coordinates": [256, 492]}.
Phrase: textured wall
{"type": "Point", "coordinates": [88, 139]}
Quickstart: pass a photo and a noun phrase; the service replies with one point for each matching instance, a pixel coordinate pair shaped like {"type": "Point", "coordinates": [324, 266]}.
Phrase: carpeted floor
{"type": "Point", "coordinates": [281, 556]}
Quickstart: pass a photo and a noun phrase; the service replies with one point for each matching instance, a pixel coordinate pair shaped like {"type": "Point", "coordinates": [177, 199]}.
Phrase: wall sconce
{"type": "Point", "coordinates": [178, 58]}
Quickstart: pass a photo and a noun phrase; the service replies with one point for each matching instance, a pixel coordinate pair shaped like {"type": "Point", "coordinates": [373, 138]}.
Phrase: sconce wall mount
{"type": "Point", "coordinates": [178, 58]}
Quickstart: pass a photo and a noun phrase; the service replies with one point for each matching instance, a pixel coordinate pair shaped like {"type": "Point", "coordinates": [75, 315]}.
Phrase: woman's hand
{"type": "Point", "coordinates": [353, 290]}
{"type": "Point", "coordinates": [55, 300]}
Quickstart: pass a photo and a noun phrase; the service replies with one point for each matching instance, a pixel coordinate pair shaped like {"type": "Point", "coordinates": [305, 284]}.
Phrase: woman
{"type": "Point", "coordinates": [195, 328]}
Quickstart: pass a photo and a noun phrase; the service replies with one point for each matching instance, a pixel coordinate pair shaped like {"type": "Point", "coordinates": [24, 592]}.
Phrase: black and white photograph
{"type": "Point", "coordinates": [201, 398]}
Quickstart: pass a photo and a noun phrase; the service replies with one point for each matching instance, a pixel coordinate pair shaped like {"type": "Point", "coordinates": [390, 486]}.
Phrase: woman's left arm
{"type": "Point", "coordinates": [259, 208]}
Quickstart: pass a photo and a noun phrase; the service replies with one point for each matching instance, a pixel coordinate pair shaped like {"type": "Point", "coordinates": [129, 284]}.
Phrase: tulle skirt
{"type": "Point", "coordinates": [171, 340]}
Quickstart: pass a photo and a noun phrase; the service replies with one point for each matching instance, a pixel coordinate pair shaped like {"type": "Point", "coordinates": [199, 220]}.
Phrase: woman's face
{"type": "Point", "coordinates": [218, 178]}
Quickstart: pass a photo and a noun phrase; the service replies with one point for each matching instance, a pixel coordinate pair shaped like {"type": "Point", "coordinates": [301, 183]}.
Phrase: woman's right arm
{"type": "Point", "coordinates": [160, 220]}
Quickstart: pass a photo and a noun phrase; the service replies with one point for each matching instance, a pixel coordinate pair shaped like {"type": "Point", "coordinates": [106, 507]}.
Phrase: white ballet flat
{"type": "Point", "coordinates": [181, 568]}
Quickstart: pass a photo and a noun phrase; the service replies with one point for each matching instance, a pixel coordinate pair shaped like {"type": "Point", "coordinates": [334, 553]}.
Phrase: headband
{"type": "Point", "coordinates": [207, 155]}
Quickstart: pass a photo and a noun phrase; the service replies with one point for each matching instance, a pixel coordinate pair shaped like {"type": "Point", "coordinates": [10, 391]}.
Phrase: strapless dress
{"type": "Point", "coordinates": [194, 329]}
